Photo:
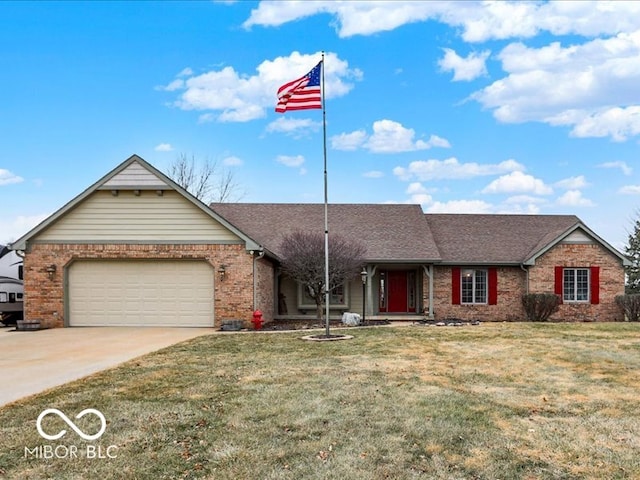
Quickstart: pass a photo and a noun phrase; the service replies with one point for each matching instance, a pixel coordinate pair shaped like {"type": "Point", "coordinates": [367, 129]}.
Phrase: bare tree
{"type": "Point", "coordinates": [303, 260]}
{"type": "Point", "coordinates": [206, 181]}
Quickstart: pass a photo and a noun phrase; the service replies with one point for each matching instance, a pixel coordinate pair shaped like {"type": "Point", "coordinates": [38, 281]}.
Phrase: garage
{"type": "Point", "coordinates": [165, 293]}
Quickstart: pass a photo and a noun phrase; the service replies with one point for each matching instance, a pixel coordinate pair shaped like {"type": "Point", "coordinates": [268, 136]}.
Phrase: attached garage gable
{"type": "Point", "coordinates": [176, 293]}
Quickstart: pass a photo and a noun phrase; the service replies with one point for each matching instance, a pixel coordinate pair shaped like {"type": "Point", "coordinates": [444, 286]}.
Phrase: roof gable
{"type": "Point", "coordinates": [578, 233]}
{"type": "Point", "coordinates": [133, 174]}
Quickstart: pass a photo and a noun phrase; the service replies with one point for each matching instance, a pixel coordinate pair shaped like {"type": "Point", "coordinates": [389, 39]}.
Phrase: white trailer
{"type": "Point", "coordinates": [11, 286]}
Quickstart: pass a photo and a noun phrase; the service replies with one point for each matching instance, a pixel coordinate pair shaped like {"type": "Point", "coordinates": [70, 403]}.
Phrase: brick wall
{"type": "Point", "coordinates": [511, 284]}
{"type": "Point", "coordinates": [541, 280]}
{"type": "Point", "coordinates": [265, 288]}
{"type": "Point", "coordinates": [44, 297]}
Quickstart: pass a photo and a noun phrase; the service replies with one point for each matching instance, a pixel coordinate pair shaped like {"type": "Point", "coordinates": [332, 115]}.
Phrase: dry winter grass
{"type": "Point", "coordinates": [498, 401]}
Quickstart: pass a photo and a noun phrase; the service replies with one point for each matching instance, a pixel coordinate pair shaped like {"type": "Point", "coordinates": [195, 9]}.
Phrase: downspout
{"type": "Point", "coordinates": [255, 281]}
{"type": "Point", "coordinates": [526, 281]}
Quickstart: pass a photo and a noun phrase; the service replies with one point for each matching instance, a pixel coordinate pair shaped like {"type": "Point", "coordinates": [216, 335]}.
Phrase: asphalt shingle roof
{"type": "Point", "coordinates": [497, 239]}
{"type": "Point", "coordinates": [389, 232]}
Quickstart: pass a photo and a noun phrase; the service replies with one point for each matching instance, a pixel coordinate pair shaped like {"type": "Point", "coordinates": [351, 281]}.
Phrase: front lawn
{"type": "Point", "coordinates": [496, 401]}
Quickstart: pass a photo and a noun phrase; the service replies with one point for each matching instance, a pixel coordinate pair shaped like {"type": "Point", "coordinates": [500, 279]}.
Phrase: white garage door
{"type": "Point", "coordinates": [140, 293]}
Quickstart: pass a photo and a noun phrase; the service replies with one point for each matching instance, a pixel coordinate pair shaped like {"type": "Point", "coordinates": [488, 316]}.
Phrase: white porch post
{"type": "Point", "coordinates": [371, 270]}
{"type": "Point", "coordinates": [428, 270]}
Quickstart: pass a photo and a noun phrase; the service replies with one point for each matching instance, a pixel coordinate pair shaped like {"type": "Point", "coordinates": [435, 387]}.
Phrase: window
{"type": "Point", "coordinates": [338, 297]}
{"type": "Point", "coordinates": [411, 291]}
{"type": "Point", "coordinates": [575, 285]}
{"type": "Point", "coordinates": [474, 286]}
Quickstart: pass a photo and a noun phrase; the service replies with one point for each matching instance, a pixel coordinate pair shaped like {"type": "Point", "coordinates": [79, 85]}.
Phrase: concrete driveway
{"type": "Point", "coordinates": [31, 362]}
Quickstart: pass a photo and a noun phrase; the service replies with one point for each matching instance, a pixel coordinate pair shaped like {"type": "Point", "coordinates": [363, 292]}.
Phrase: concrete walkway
{"type": "Point", "coordinates": [31, 362]}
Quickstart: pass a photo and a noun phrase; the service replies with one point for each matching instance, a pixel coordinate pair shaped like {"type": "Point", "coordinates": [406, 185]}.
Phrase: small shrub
{"type": "Point", "coordinates": [630, 305]}
{"type": "Point", "coordinates": [538, 307]}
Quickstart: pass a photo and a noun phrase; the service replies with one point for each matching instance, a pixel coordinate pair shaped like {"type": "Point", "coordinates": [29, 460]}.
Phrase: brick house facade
{"type": "Point", "coordinates": [90, 262]}
{"type": "Point", "coordinates": [233, 298]}
{"type": "Point", "coordinates": [545, 276]}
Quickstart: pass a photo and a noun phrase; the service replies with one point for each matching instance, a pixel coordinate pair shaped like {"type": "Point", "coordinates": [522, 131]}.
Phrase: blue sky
{"type": "Point", "coordinates": [459, 106]}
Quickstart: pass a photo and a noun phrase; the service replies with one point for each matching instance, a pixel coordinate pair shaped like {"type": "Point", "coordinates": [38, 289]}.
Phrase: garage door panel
{"type": "Point", "coordinates": [153, 293]}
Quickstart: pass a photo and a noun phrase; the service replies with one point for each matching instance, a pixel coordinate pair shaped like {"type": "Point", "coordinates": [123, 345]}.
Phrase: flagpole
{"type": "Point", "coordinates": [326, 208]}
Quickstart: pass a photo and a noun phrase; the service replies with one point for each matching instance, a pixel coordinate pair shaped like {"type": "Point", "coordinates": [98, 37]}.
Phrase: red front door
{"type": "Point", "coordinates": [397, 291]}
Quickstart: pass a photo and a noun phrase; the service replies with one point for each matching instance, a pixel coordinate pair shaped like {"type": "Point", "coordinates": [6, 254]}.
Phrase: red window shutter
{"type": "Point", "coordinates": [595, 285]}
{"type": "Point", "coordinates": [558, 282]}
{"type": "Point", "coordinates": [493, 286]}
{"type": "Point", "coordinates": [455, 285]}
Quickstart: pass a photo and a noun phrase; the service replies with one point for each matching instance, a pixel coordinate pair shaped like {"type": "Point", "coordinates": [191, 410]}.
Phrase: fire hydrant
{"type": "Point", "coordinates": [257, 320]}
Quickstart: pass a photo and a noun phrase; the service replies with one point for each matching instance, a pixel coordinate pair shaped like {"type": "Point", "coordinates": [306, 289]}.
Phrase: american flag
{"type": "Point", "coordinates": [301, 94]}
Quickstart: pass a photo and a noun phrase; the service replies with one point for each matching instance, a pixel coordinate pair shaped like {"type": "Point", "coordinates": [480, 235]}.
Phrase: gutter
{"type": "Point", "coordinates": [255, 281]}
{"type": "Point", "coordinates": [526, 272]}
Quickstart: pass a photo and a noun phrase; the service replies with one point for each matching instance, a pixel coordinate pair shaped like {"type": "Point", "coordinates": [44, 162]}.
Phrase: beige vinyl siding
{"type": "Point", "coordinates": [135, 175]}
{"type": "Point", "coordinates": [355, 296]}
{"type": "Point", "coordinates": [149, 217]}
{"type": "Point", "coordinates": [577, 236]}
{"type": "Point", "coordinates": [290, 289]}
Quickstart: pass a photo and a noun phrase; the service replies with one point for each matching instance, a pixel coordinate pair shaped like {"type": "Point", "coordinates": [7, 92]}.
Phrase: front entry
{"type": "Point", "coordinates": [398, 291]}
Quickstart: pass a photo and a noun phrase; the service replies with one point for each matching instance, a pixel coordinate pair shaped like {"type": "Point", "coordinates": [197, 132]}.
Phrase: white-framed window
{"type": "Point", "coordinates": [338, 298]}
{"type": "Point", "coordinates": [575, 285]}
{"type": "Point", "coordinates": [474, 286]}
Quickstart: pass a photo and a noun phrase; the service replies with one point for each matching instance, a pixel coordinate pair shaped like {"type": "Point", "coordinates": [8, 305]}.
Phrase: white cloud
{"type": "Point", "coordinates": [478, 21]}
{"type": "Point", "coordinates": [590, 88]}
{"type": "Point", "coordinates": [349, 141]}
{"type": "Point", "coordinates": [232, 161]}
{"type": "Point", "coordinates": [615, 122]}
{"type": "Point", "coordinates": [518, 182]}
{"type": "Point", "coordinates": [418, 194]}
{"type": "Point", "coordinates": [574, 198]}
{"type": "Point", "coordinates": [630, 190]}
{"type": "Point", "coordinates": [13, 228]}
{"type": "Point", "coordinates": [460, 206]}
{"type": "Point", "coordinates": [467, 69]}
{"type": "Point", "coordinates": [436, 141]}
{"type": "Point", "coordinates": [626, 169]}
{"type": "Point", "coordinates": [290, 161]}
{"type": "Point", "coordinates": [524, 199]}
{"type": "Point", "coordinates": [186, 72]}
{"type": "Point", "coordinates": [373, 174]}
{"type": "Point", "coordinates": [451, 168]}
{"type": "Point", "coordinates": [240, 97]}
{"type": "Point", "coordinates": [353, 18]}
{"type": "Point", "coordinates": [521, 204]}
{"type": "Point", "coordinates": [391, 137]}
{"type": "Point", "coordinates": [296, 127]}
{"type": "Point", "coordinates": [388, 137]}
{"type": "Point", "coordinates": [163, 147]}
{"type": "Point", "coordinates": [206, 118]}
{"type": "Point", "coordinates": [174, 85]}
{"type": "Point", "coordinates": [7, 178]}
{"type": "Point", "coordinates": [572, 183]}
